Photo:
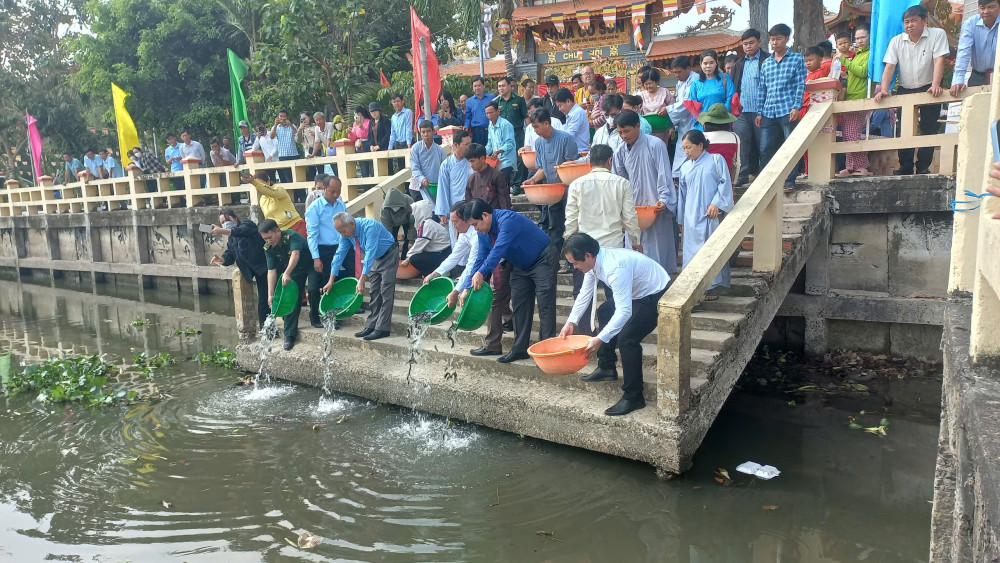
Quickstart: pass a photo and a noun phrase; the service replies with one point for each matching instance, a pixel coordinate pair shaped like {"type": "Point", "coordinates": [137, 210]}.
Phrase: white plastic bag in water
{"type": "Point", "coordinates": [764, 472]}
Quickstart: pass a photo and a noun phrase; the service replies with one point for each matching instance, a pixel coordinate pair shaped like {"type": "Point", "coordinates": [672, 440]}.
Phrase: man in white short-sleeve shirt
{"type": "Point", "coordinates": [919, 54]}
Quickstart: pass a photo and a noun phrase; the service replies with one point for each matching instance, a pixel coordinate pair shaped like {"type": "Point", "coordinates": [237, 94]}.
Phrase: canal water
{"type": "Point", "coordinates": [213, 472]}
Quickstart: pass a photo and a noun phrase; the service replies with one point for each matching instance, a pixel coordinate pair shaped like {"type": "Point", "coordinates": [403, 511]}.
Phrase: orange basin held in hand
{"type": "Point", "coordinates": [492, 161]}
{"type": "Point", "coordinates": [544, 194]}
{"type": "Point", "coordinates": [528, 157]}
{"type": "Point", "coordinates": [570, 172]}
{"type": "Point", "coordinates": [560, 356]}
{"type": "Point", "coordinates": [647, 214]}
{"type": "Point", "coordinates": [406, 273]}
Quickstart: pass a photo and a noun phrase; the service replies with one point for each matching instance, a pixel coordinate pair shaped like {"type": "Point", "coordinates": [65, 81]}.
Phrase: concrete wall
{"type": "Point", "coordinates": [880, 282]}
{"type": "Point", "coordinates": [145, 248]}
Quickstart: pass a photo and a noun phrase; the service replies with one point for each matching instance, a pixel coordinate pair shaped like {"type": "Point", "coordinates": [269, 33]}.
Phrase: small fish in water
{"type": "Point", "coordinates": [451, 333]}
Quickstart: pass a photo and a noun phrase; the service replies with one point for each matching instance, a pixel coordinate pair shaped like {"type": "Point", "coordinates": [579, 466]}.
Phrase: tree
{"type": "Point", "coordinates": [169, 54]}
{"type": "Point", "coordinates": [807, 23]}
{"type": "Point", "coordinates": [758, 17]}
{"type": "Point", "coordinates": [313, 46]}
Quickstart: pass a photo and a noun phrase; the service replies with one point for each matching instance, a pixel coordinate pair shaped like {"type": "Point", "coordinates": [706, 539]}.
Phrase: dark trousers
{"type": "Point", "coordinates": [292, 319]}
{"type": "Point", "coordinates": [977, 79]}
{"type": "Point", "coordinates": [928, 125]}
{"type": "Point", "coordinates": [583, 327]}
{"type": "Point", "coordinates": [262, 309]}
{"type": "Point", "coordinates": [774, 132]}
{"type": "Point", "coordinates": [427, 262]}
{"type": "Point", "coordinates": [500, 310]}
{"type": "Point", "coordinates": [319, 279]}
{"type": "Point", "coordinates": [749, 135]}
{"type": "Point", "coordinates": [406, 239]}
{"type": "Point", "coordinates": [629, 341]}
{"type": "Point", "coordinates": [285, 174]}
{"type": "Point", "coordinates": [527, 285]}
{"type": "Point", "coordinates": [480, 135]}
{"type": "Point", "coordinates": [508, 173]}
{"type": "Point", "coordinates": [556, 225]}
{"type": "Point", "coordinates": [522, 170]}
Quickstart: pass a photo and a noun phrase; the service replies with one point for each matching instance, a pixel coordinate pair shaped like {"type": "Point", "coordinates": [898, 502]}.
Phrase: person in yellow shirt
{"type": "Point", "coordinates": [582, 95]}
{"type": "Point", "coordinates": [275, 202]}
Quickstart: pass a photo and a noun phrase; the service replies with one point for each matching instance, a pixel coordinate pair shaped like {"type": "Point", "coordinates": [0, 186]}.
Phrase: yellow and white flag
{"type": "Point", "coordinates": [128, 137]}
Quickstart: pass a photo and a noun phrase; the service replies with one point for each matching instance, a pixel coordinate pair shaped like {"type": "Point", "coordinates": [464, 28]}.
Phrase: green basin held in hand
{"type": "Point", "coordinates": [659, 123]}
{"type": "Point", "coordinates": [433, 296]}
{"type": "Point", "coordinates": [433, 189]}
{"type": "Point", "coordinates": [284, 299]}
{"type": "Point", "coordinates": [342, 298]}
{"type": "Point", "coordinates": [476, 309]}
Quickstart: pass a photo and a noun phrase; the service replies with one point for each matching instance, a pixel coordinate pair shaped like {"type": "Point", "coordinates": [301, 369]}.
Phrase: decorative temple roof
{"type": "Point", "coordinates": [494, 68]}
{"type": "Point", "coordinates": [540, 13]}
{"type": "Point", "coordinates": [668, 47]}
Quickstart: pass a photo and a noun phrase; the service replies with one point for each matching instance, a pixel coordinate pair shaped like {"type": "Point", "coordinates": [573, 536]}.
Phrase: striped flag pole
{"type": "Point", "coordinates": [637, 33]}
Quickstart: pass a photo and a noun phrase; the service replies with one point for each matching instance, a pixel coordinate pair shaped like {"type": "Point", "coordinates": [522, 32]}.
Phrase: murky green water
{"type": "Point", "coordinates": [244, 471]}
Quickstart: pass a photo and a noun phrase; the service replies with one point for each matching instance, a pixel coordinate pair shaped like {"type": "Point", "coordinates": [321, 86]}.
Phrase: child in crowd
{"type": "Point", "coordinates": [730, 63]}
{"type": "Point", "coordinates": [815, 66]}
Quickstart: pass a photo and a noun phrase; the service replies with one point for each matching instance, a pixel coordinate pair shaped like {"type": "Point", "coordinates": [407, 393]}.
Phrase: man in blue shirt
{"type": "Point", "coordinates": [172, 156]}
{"type": "Point", "coordinates": [323, 241]}
{"type": "Point", "coordinates": [453, 177]}
{"type": "Point", "coordinates": [501, 144]}
{"type": "Point", "coordinates": [505, 234]}
{"type": "Point", "coordinates": [977, 47]}
{"type": "Point", "coordinates": [782, 84]}
{"type": "Point", "coordinates": [553, 147]}
{"type": "Point", "coordinates": [73, 167]}
{"type": "Point", "coordinates": [111, 168]}
{"type": "Point", "coordinates": [746, 79]}
{"type": "Point", "coordinates": [283, 132]}
{"type": "Point", "coordinates": [381, 258]}
{"type": "Point", "coordinates": [425, 162]}
{"type": "Point", "coordinates": [401, 132]}
{"type": "Point", "coordinates": [475, 112]}
{"type": "Point", "coordinates": [577, 124]}
{"type": "Point", "coordinates": [94, 165]}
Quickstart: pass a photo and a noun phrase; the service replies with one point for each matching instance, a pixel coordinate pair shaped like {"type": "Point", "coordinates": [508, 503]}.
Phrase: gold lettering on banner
{"type": "Point", "coordinates": [576, 38]}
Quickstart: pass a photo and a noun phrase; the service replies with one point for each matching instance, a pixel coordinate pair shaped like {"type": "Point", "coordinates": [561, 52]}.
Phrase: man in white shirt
{"type": "Point", "coordinates": [600, 204]}
{"type": "Point", "coordinates": [577, 124]}
{"type": "Point", "coordinates": [637, 283]}
{"type": "Point", "coordinates": [221, 155]}
{"type": "Point", "coordinates": [192, 149]}
{"type": "Point", "coordinates": [464, 254]}
{"type": "Point", "coordinates": [919, 53]}
{"type": "Point", "coordinates": [607, 134]}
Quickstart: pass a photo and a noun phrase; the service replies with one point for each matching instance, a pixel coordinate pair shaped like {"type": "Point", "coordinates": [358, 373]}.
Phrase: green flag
{"type": "Point", "coordinates": [237, 70]}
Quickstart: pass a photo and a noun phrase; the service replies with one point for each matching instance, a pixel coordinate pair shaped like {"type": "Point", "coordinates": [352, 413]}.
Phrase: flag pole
{"type": "Point", "coordinates": [482, 63]}
{"type": "Point", "coordinates": [426, 80]}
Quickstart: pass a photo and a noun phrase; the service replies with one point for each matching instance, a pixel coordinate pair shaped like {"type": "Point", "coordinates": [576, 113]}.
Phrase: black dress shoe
{"type": "Point", "coordinates": [601, 374]}
{"type": "Point", "coordinates": [316, 324]}
{"type": "Point", "coordinates": [482, 351]}
{"type": "Point", "coordinates": [902, 172]}
{"type": "Point", "coordinates": [364, 332]}
{"type": "Point", "coordinates": [508, 326]}
{"type": "Point", "coordinates": [626, 406]}
{"type": "Point", "coordinates": [513, 356]}
{"type": "Point", "coordinates": [376, 334]}
{"type": "Point", "coordinates": [923, 170]}
{"type": "Point", "coordinates": [289, 342]}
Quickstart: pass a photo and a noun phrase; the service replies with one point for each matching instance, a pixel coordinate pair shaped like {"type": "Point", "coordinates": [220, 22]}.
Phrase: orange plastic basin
{"type": "Point", "coordinates": [560, 356]}
{"type": "Point", "coordinates": [570, 172]}
{"type": "Point", "coordinates": [544, 194]}
{"type": "Point", "coordinates": [528, 157]}
{"type": "Point", "coordinates": [647, 214]}
{"type": "Point", "coordinates": [407, 273]}
{"type": "Point", "coordinates": [492, 161]}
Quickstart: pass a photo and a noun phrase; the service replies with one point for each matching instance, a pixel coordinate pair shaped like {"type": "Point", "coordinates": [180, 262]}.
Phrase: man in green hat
{"type": "Point", "coordinates": [288, 251]}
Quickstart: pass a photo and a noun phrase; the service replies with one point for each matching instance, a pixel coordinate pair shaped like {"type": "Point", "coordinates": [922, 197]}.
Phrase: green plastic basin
{"type": "Point", "coordinates": [342, 298]}
{"type": "Point", "coordinates": [659, 122]}
{"type": "Point", "coordinates": [476, 309]}
{"type": "Point", "coordinates": [433, 188]}
{"type": "Point", "coordinates": [285, 298]}
{"type": "Point", "coordinates": [433, 296]}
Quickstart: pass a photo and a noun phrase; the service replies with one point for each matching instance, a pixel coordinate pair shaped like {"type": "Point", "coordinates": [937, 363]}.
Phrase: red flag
{"type": "Point", "coordinates": [418, 30]}
{"type": "Point", "coordinates": [385, 81]}
{"type": "Point", "coordinates": [35, 144]}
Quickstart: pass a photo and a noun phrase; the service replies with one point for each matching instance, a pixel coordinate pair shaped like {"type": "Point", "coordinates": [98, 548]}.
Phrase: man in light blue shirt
{"type": "Point", "coordinates": [112, 167]}
{"type": "Point", "coordinates": [977, 47]}
{"type": "Point", "coordinates": [453, 178]}
{"type": "Point", "coordinates": [501, 144]}
{"type": "Point", "coordinates": [425, 162]}
{"type": "Point", "coordinates": [401, 130]}
{"type": "Point", "coordinates": [283, 132]}
{"type": "Point", "coordinates": [577, 124]}
{"type": "Point", "coordinates": [172, 154]}
{"type": "Point", "coordinates": [73, 166]}
{"type": "Point", "coordinates": [94, 164]}
{"type": "Point", "coordinates": [475, 112]}
{"type": "Point", "coordinates": [324, 240]}
{"type": "Point", "coordinates": [381, 258]}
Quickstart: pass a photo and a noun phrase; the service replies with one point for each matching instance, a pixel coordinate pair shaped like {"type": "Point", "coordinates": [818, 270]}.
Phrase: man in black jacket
{"type": "Point", "coordinates": [746, 79]}
{"type": "Point", "coordinates": [245, 248]}
{"type": "Point", "coordinates": [549, 102]}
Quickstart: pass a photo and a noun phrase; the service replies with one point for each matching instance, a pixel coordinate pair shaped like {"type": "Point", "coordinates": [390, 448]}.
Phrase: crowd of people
{"type": "Point", "coordinates": [677, 153]}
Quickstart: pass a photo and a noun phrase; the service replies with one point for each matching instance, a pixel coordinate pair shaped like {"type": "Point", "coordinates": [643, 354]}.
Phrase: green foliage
{"type": "Point", "coordinates": [187, 332]}
{"type": "Point", "coordinates": [223, 358]}
{"type": "Point", "coordinates": [169, 54]}
{"type": "Point", "coordinates": [140, 322]}
{"type": "Point", "coordinates": [149, 364]}
{"type": "Point", "coordinates": [83, 379]}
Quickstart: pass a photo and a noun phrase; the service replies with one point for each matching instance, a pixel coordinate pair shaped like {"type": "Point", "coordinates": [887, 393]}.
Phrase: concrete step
{"type": "Point", "coordinates": [800, 209]}
{"type": "Point", "coordinates": [794, 225]}
{"type": "Point", "coordinates": [787, 242]}
{"type": "Point", "coordinates": [716, 321]}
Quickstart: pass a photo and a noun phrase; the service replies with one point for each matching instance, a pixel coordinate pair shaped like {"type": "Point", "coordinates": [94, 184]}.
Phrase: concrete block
{"type": "Point", "coordinates": [809, 196]}
{"type": "Point", "coordinates": [794, 225]}
{"type": "Point", "coordinates": [858, 247]}
{"type": "Point", "coordinates": [858, 336]}
{"type": "Point", "coordinates": [919, 253]}
{"type": "Point", "coordinates": [922, 341]}
{"type": "Point", "coordinates": [799, 209]}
